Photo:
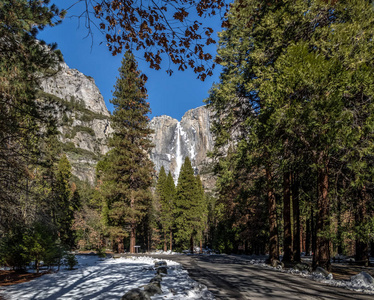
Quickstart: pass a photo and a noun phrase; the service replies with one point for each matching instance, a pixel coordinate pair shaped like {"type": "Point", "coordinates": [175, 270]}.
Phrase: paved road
{"type": "Point", "coordinates": [230, 277]}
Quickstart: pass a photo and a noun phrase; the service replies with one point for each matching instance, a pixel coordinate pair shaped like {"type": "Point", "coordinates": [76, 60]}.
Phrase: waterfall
{"type": "Point", "coordinates": [178, 154]}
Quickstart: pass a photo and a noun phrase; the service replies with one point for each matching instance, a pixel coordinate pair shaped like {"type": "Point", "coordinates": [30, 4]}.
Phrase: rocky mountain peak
{"type": "Point", "coordinates": [72, 85]}
{"type": "Point", "coordinates": [175, 140]}
{"type": "Point", "coordinates": [83, 118]}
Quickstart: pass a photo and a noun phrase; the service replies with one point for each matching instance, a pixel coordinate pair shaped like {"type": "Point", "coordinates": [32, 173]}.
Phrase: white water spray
{"type": "Point", "coordinates": [178, 154]}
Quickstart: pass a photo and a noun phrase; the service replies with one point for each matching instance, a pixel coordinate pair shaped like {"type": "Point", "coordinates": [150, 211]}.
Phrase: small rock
{"type": "Point", "coordinates": [302, 267]}
{"type": "Point", "coordinates": [152, 289]}
{"type": "Point", "coordinates": [157, 278]}
{"type": "Point", "coordinates": [349, 260]}
{"type": "Point", "coordinates": [162, 270]}
{"type": "Point", "coordinates": [160, 263]}
{"type": "Point", "coordinates": [136, 294]}
{"type": "Point", "coordinates": [323, 272]}
{"type": "Point", "coordinates": [364, 277]}
{"type": "Point", "coordinates": [276, 264]}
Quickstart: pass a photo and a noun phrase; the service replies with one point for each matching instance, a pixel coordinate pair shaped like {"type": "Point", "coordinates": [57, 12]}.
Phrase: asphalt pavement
{"type": "Point", "coordinates": [231, 277]}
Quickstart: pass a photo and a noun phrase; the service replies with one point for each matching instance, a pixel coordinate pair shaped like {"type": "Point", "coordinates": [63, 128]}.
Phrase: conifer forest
{"type": "Point", "coordinates": [293, 128]}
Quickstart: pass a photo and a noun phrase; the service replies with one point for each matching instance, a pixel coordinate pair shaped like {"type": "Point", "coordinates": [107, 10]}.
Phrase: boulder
{"type": "Point", "coordinates": [157, 278]}
{"type": "Point", "coordinates": [160, 263]}
{"type": "Point", "coordinates": [153, 288]}
{"type": "Point", "coordinates": [363, 277]}
{"type": "Point", "coordinates": [302, 267]}
{"type": "Point", "coordinates": [323, 272]}
{"type": "Point", "coordinates": [136, 294]}
{"type": "Point", "coordinates": [162, 270]}
{"type": "Point", "coordinates": [277, 264]}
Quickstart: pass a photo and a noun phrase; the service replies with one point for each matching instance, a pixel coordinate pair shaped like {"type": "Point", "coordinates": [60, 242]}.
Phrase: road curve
{"type": "Point", "coordinates": [231, 277]}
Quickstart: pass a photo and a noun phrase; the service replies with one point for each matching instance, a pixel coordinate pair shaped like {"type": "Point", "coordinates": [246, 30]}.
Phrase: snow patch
{"type": "Point", "coordinates": [108, 279]}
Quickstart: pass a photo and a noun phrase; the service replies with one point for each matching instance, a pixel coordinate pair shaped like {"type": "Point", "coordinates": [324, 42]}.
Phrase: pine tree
{"type": "Point", "coordinates": [66, 202]}
{"type": "Point", "coordinates": [297, 93]}
{"type": "Point", "coordinates": [203, 211]}
{"type": "Point", "coordinates": [161, 197]}
{"type": "Point", "coordinates": [24, 121]}
{"type": "Point", "coordinates": [188, 214]}
{"type": "Point", "coordinates": [128, 176]}
{"type": "Point", "coordinates": [170, 207]}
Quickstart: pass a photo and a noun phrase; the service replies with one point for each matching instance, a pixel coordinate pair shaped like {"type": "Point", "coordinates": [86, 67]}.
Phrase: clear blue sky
{"type": "Point", "coordinates": [168, 95]}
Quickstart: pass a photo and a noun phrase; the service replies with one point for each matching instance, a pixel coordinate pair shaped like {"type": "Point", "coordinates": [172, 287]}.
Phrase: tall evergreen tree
{"type": "Point", "coordinates": [188, 213]}
{"type": "Point", "coordinates": [23, 60]}
{"type": "Point", "coordinates": [161, 196]}
{"type": "Point", "coordinates": [303, 69]}
{"type": "Point", "coordinates": [128, 176]}
{"type": "Point", "coordinates": [66, 202]}
{"type": "Point", "coordinates": [169, 207]}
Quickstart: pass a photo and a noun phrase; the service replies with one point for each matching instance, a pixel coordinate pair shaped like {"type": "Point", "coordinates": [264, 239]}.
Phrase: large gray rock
{"type": "Point", "coordinates": [190, 137]}
{"type": "Point", "coordinates": [363, 277]}
{"type": "Point", "coordinates": [83, 119]}
{"type": "Point", "coordinates": [70, 83]}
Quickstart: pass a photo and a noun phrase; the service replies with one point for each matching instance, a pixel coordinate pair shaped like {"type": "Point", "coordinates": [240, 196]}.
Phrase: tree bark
{"type": "Point", "coordinates": [132, 238]}
{"type": "Point", "coordinates": [321, 256]}
{"type": "Point", "coordinates": [191, 243]}
{"type": "Point", "coordinates": [307, 237]}
{"type": "Point", "coordinates": [287, 242]}
{"type": "Point", "coordinates": [296, 218]}
{"type": "Point", "coordinates": [171, 240]}
{"type": "Point", "coordinates": [313, 230]}
{"type": "Point", "coordinates": [362, 247]}
{"type": "Point", "coordinates": [165, 242]}
{"type": "Point", "coordinates": [273, 228]}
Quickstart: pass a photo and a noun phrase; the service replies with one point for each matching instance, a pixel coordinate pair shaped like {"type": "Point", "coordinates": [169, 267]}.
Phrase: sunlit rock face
{"type": "Point", "coordinates": [70, 84]}
{"type": "Point", "coordinates": [83, 119]}
{"type": "Point", "coordinates": [175, 140]}
{"type": "Point", "coordinates": [84, 128]}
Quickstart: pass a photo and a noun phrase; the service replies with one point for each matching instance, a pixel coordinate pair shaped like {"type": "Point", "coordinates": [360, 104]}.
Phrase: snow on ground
{"type": "Point", "coordinates": [107, 279]}
{"type": "Point", "coordinates": [357, 283]}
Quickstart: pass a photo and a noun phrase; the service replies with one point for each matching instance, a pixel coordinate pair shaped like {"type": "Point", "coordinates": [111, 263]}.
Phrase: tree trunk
{"type": "Point", "coordinates": [307, 237]}
{"type": "Point", "coordinates": [296, 218]}
{"type": "Point", "coordinates": [201, 246]}
{"type": "Point", "coordinates": [273, 229]}
{"type": "Point", "coordinates": [287, 242]}
{"type": "Point", "coordinates": [362, 248]}
{"type": "Point", "coordinates": [165, 242]}
{"type": "Point", "coordinates": [340, 231]}
{"type": "Point", "coordinates": [37, 265]}
{"type": "Point", "coordinates": [321, 256]}
{"type": "Point", "coordinates": [132, 238]}
{"type": "Point", "coordinates": [313, 230]}
{"type": "Point", "coordinates": [191, 243]}
{"type": "Point", "coordinates": [171, 240]}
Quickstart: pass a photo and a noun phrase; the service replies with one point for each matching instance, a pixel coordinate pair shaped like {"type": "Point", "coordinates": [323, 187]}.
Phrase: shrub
{"type": "Point", "coordinates": [101, 252]}
{"type": "Point", "coordinates": [70, 261]}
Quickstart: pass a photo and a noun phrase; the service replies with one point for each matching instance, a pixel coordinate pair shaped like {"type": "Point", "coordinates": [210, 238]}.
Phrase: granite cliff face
{"type": "Point", "coordinates": [83, 119]}
{"type": "Point", "coordinates": [190, 137]}
{"type": "Point", "coordinates": [84, 128]}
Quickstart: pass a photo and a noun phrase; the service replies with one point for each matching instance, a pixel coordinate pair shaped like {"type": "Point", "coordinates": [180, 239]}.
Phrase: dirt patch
{"type": "Point", "coordinates": [12, 277]}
